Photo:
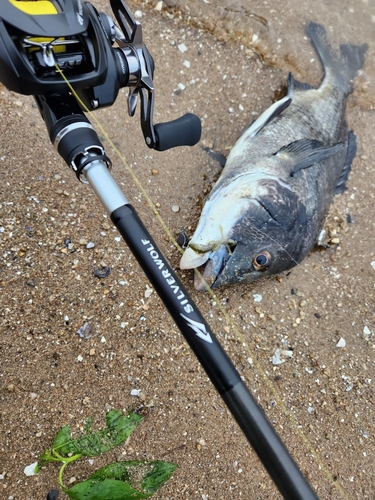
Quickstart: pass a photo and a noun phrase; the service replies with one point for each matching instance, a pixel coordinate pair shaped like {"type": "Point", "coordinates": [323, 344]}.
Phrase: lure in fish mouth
{"type": "Point", "coordinates": [266, 210]}
{"type": "Point", "coordinates": [209, 264]}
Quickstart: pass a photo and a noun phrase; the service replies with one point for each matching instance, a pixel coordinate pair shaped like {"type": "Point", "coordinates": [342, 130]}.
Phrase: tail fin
{"type": "Point", "coordinates": [344, 68]}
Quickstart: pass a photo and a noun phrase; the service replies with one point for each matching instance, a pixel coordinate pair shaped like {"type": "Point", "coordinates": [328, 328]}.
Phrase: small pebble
{"type": "Point", "coordinates": [79, 358]}
{"type": "Point", "coordinates": [159, 6]}
{"type": "Point", "coordinates": [257, 297]}
{"type": "Point", "coordinates": [276, 360]}
{"type": "Point", "coordinates": [366, 330]}
{"type": "Point", "coordinates": [90, 244]}
{"type": "Point", "coordinates": [29, 470]}
{"type": "Point", "coordinates": [135, 392]}
{"type": "Point", "coordinates": [287, 353]}
{"type": "Point", "coordinates": [142, 396]}
{"type": "Point", "coordinates": [103, 272]}
{"type": "Point", "coordinates": [182, 47]}
{"type": "Point", "coordinates": [341, 343]}
{"type": "Point", "coordinates": [85, 332]}
{"type": "Point", "coordinates": [175, 209]}
{"type": "Point", "coordinates": [182, 239]}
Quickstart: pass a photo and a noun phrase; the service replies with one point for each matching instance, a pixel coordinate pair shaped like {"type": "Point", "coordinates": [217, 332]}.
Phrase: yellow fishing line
{"type": "Point", "coordinates": [239, 334]}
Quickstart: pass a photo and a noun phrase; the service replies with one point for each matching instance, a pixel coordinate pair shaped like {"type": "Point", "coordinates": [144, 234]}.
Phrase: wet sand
{"type": "Point", "coordinates": [321, 401]}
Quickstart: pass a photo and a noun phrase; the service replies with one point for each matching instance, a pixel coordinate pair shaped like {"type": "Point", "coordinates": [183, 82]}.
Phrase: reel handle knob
{"type": "Point", "coordinates": [184, 131]}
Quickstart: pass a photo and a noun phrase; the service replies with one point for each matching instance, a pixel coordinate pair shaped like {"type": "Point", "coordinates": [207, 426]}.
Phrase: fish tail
{"type": "Point", "coordinates": [343, 68]}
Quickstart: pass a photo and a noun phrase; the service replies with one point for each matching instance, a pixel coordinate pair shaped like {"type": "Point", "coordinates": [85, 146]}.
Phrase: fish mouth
{"type": "Point", "coordinates": [208, 265]}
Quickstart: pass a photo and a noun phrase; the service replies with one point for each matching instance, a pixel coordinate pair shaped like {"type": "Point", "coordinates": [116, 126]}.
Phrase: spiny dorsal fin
{"type": "Point", "coordinates": [270, 114]}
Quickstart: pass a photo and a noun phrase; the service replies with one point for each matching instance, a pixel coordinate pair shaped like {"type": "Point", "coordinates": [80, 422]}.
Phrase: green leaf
{"type": "Point", "coordinates": [123, 481]}
{"type": "Point", "coordinates": [109, 489]}
{"type": "Point", "coordinates": [88, 424]}
{"type": "Point", "coordinates": [119, 428]}
{"type": "Point", "coordinates": [159, 474]}
{"type": "Point", "coordinates": [145, 476]}
{"type": "Point", "coordinates": [62, 437]}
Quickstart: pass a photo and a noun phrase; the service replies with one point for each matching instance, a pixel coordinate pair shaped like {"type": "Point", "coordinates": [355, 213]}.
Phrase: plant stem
{"type": "Point", "coordinates": [66, 461]}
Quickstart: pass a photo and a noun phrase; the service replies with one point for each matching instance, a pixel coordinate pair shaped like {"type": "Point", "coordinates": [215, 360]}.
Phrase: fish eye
{"type": "Point", "coordinates": [262, 260]}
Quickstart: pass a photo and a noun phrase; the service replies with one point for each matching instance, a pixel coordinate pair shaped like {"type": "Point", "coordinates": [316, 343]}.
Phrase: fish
{"type": "Point", "coordinates": [266, 210]}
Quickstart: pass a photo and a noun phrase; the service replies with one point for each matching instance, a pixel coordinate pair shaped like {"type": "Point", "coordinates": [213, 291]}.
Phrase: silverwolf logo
{"type": "Point", "coordinates": [161, 265]}
{"type": "Point", "coordinates": [198, 328]}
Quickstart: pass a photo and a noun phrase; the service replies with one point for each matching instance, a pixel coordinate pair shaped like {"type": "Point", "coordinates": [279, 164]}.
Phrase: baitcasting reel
{"type": "Point", "coordinates": [39, 37]}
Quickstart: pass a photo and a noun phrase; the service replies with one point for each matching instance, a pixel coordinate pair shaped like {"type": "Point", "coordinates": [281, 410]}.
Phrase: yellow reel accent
{"type": "Point", "coordinates": [35, 8]}
{"type": "Point", "coordinates": [38, 8]}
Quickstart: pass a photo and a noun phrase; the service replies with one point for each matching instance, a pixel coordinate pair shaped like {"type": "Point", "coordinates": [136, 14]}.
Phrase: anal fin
{"type": "Point", "coordinates": [294, 85]}
{"type": "Point", "coordinates": [350, 155]}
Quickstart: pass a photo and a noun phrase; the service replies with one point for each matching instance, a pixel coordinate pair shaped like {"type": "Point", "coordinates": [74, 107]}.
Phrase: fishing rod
{"type": "Point", "coordinates": [38, 41]}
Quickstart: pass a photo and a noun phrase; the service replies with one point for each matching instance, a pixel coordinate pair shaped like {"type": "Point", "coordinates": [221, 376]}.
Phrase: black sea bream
{"type": "Point", "coordinates": [266, 210]}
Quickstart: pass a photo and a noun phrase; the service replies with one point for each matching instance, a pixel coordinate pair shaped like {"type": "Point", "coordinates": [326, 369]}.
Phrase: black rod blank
{"type": "Point", "coordinates": [249, 416]}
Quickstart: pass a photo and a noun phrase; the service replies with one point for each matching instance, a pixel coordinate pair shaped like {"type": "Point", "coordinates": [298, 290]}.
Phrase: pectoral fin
{"type": "Point", "coordinates": [215, 155]}
{"type": "Point", "coordinates": [350, 155]}
{"type": "Point", "coordinates": [305, 153]}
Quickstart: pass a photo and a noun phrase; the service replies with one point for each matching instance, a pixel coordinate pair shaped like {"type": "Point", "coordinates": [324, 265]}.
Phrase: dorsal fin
{"type": "Point", "coordinates": [270, 114]}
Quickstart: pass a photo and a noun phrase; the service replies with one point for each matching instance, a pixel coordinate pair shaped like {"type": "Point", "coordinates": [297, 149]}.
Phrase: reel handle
{"type": "Point", "coordinates": [184, 131]}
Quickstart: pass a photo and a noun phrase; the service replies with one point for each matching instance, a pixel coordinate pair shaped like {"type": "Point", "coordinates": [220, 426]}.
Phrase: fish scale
{"type": "Point", "coordinates": [265, 212]}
